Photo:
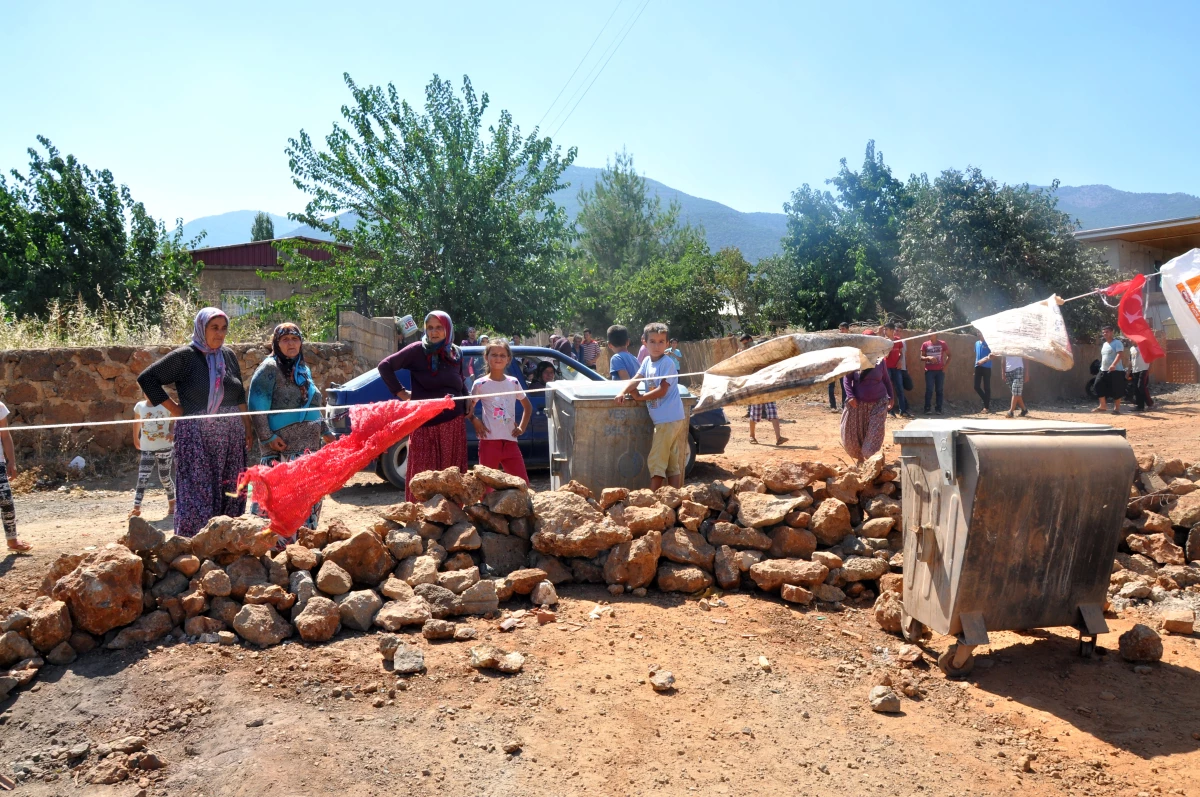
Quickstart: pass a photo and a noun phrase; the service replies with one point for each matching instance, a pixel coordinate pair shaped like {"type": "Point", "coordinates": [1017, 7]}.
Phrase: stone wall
{"type": "Point", "coordinates": [73, 385]}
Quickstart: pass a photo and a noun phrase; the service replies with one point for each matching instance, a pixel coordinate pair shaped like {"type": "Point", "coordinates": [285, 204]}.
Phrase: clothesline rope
{"type": "Point", "coordinates": [122, 421]}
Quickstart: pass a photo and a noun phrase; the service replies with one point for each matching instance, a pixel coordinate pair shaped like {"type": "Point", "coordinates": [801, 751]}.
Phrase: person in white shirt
{"type": "Point", "coordinates": [8, 465]}
{"type": "Point", "coordinates": [1110, 384]}
{"type": "Point", "coordinates": [155, 439]}
{"type": "Point", "coordinates": [1015, 376]}
{"type": "Point", "coordinates": [1141, 379]}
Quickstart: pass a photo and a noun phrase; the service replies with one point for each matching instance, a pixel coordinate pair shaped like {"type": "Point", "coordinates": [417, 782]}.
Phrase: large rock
{"type": "Point", "coordinates": [144, 630]}
{"type": "Point", "coordinates": [877, 528]}
{"type": "Point", "coordinates": [457, 581]}
{"type": "Point", "coordinates": [845, 487]}
{"type": "Point", "coordinates": [639, 519]}
{"type": "Point", "coordinates": [887, 611]}
{"type": "Point", "coordinates": [487, 520]}
{"type": "Point", "coordinates": [441, 510]}
{"type": "Point", "coordinates": [788, 477]}
{"type": "Point", "coordinates": [461, 537]}
{"type": "Point", "coordinates": [261, 625]}
{"type": "Point", "coordinates": [332, 579]}
{"type": "Point", "coordinates": [559, 512]}
{"type": "Point", "coordinates": [634, 563]}
{"type": "Point", "coordinates": [498, 479]}
{"type": "Point", "coordinates": [691, 514]}
{"type": "Point", "coordinates": [104, 591]}
{"type": "Point", "coordinates": [864, 568]}
{"type": "Point", "coordinates": [1140, 643]}
{"type": "Point", "coordinates": [1158, 547]}
{"type": "Point", "coordinates": [503, 553]}
{"type": "Point", "coordinates": [216, 584]}
{"type": "Point", "coordinates": [544, 594]}
{"type": "Point", "coordinates": [64, 564]}
{"type": "Point", "coordinates": [523, 581]}
{"type": "Point", "coordinates": [759, 511]}
{"type": "Point", "coordinates": [688, 548]}
{"type": "Point", "coordinates": [674, 577]}
{"type": "Point", "coordinates": [318, 621]}
{"type": "Point", "coordinates": [363, 556]}
{"type": "Point", "coordinates": [50, 623]}
{"type": "Point", "coordinates": [727, 568]}
{"type": "Point", "coordinates": [141, 537]}
{"type": "Point", "coordinates": [791, 543]}
{"type": "Point", "coordinates": [402, 543]}
{"type": "Point", "coordinates": [589, 538]}
{"type": "Point", "coordinates": [770, 574]}
{"type": "Point", "coordinates": [712, 495]}
{"type": "Point", "coordinates": [174, 583]}
{"type": "Point", "coordinates": [442, 602]}
{"type": "Point", "coordinates": [479, 598]}
{"type": "Point", "coordinates": [831, 522]}
{"type": "Point", "coordinates": [510, 503]}
{"type": "Point", "coordinates": [408, 660]}
{"type": "Point", "coordinates": [883, 506]}
{"type": "Point", "coordinates": [433, 482]}
{"type": "Point", "coordinates": [14, 648]}
{"type": "Point", "coordinates": [418, 570]}
{"type": "Point", "coordinates": [793, 593]}
{"type": "Point", "coordinates": [884, 700]}
{"type": "Point", "coordinates": [556, 572]}
{"type": "Point", "coordinates": [1186, 512]}
{"type": "Point", "coordinates": [248, 534]}
{"type": "Point", "coordinates": [1154, 523]}
{"type": "Point", "coordinates": [396, 614]}
{"type": "Point", "coordinates": [356, 609]}
{"type": "Point", "coordinates": [245, 572]}
{"type": "Point", "coordinates": [722, 533]}
{"type": "Point", "coordinates": [405, 513]}
{"type": "Point", "coordinates": [489, 657]}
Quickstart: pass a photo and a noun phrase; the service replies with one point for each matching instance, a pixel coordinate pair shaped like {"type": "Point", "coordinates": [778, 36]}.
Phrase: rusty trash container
{"type": "Point", "coordinates": [1009, 525]}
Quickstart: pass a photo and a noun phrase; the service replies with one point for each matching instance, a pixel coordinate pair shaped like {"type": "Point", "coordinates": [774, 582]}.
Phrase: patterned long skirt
{"type": "Point", "coordinates": [863, 428]}
{"type": "Point", "coordinates": [437, 448]}
{"type": "Point", "coordinates": [210, 453]}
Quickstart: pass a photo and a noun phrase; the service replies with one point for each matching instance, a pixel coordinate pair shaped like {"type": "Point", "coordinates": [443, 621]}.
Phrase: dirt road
{"type": "Point", "coordinates": [1033, 718]}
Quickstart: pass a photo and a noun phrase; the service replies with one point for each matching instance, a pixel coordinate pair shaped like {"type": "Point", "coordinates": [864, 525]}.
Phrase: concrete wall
{"type": "Point", "coordinates": [100, 384]}
{"type": "Point", "coordinates": [214, 279]}
{"type": "Point", "coordinates": [372, 338]}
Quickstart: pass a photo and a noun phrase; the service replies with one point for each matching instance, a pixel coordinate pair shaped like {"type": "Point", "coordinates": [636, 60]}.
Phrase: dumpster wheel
{"type": "Point", "coordinates": [912, 629]}
{"type": "Point", "coordinates": [957, 661]}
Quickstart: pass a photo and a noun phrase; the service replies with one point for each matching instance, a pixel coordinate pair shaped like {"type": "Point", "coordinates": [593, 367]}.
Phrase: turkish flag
{"type": "Point", "coordinates": [1131, 317]}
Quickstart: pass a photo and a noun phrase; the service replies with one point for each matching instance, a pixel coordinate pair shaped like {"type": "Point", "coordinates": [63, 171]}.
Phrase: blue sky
{"type": "Point", "coordinates": [192, 104]}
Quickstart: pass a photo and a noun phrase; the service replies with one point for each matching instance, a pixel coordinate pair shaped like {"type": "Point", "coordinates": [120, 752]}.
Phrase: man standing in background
{"type": "Point", "coordinates": [589, 350]}
{"type": "Point", "coordinates": [935, 354]}
{"type": "Point", "coordinates": [1141, 378]}
{"type": "Point", "coordinates": [844, 328]}
{"type": "Point", "coordinates": [900, 407]}
{"type": "Point", "coordinates": [1110, 384]}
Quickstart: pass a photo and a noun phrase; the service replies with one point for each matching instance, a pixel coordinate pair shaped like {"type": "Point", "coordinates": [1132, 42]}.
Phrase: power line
{"type": "Point", "coordinates": [581, 60]}
{"type": "Point", "coordinates": [610, 57]}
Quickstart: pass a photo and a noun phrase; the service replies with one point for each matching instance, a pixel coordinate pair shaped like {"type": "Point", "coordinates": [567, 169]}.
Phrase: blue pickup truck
{"type": "Point", "coordinates": [709, 431]}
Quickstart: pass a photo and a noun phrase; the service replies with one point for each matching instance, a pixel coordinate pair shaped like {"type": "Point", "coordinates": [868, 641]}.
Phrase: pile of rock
{"type": "Point", "coordinates": [806, 530]}
{"type": "Point", "coordinates": [1159, 554]}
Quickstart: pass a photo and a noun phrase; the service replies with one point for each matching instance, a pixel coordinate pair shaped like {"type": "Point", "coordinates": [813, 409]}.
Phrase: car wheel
{"type": "Point", "coordinates": [693, 450]}
{"type": "Point", "coordinates": [393, 465]}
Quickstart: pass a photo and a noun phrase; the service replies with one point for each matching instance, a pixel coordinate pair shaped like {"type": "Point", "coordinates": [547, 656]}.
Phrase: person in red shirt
{"type": "Point", "coordinates": [895, 372]}
{"type": "Point", "coordinates": [935, 355]}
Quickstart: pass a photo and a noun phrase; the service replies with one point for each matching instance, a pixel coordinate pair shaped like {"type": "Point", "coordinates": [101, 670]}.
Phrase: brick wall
{"type": "Point", "coordinates": [372, 338]}
{"type": "Point", "coordinates": [100, 384]}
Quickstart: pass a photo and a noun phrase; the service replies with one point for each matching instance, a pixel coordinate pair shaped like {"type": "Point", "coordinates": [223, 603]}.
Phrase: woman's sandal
{"type": "Point", "coordinates": [780, 440]}
{"type": "Point", "coordinates": [754, 441]}
{"type": "Point", "coordinates": [19, 547]}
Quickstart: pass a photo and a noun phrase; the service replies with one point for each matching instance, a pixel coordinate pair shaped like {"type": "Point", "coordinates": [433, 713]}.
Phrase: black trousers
{"type": "Point", "coordinates": [983, 385]}
{"type": "Point", "coordinates": [1141, 389]}
{"type": "Point", "coordinates": [833, 401]}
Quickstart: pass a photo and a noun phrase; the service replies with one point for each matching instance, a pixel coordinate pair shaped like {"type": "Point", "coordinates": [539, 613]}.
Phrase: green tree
{"type": "Point", "coordinates": [263, 228]}
{"type": "Point", "coordinates": [844, 249]}
{"type": "Point", "coordinates": [682, 293]}
{"type": "Point", "coordinates": [442, 218]}
{"type": "Point", "coordinates": [622, 228]}
{"type": "Point", "coordinates": [971, 247]}
{"type": "Point", "coordinates": [68, 232]}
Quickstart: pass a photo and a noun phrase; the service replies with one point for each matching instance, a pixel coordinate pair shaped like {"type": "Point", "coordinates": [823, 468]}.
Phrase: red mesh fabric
{"type": "Point", "coordinates": [287, 491]}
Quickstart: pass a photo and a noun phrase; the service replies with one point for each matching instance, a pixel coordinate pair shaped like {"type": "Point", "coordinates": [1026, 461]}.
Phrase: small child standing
{"type": "Point", "coordinates": [498, 429]}
{"type": "Point", "coordinates": [153, 436]}
{"type": "Point", "coordinates": [621, 365]}
{"type": "Point", "coordinates": [8, 465]}
{"type": "Point", "coordinates": [668, 452]}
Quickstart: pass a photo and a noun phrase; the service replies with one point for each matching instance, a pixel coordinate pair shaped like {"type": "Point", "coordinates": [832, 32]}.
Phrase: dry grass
{"type": "Point", "coordinates": [109, 325]}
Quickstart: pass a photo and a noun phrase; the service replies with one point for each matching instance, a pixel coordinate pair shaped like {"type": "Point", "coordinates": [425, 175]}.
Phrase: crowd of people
{"type": "Point", "coordinates": [200, 442]}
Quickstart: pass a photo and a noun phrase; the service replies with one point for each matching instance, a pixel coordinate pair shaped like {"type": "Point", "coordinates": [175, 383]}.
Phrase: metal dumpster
{"type": "Point", "coordinates": [1009, 525]}
{"type": "Point", "coordinates": [598, 441]}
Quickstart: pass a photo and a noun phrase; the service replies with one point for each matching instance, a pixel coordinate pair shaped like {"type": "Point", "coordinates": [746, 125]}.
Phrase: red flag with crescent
{"type": "Point", "coordinates": [1131, 317]}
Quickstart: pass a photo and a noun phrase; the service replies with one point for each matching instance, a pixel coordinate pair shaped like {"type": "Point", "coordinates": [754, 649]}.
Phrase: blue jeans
{"type": "Point", "coordinates": [934, 380]}
{"type": "Point", "coordinates": [897, 377]}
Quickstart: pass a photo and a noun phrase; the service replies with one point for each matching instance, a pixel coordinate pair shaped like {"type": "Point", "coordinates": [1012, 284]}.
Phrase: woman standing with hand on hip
{"type": "Point", "coordinates": [210, 453]}
{"type": "Point", "coordinates": [436, 367]}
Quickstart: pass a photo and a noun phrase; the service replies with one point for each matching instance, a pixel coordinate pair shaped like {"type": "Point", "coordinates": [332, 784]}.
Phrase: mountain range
{"type": "Point", "coordinates": [756, 234]}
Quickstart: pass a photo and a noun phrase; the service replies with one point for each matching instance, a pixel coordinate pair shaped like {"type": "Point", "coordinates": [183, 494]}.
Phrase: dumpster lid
{"type": "Point", "coordinates": [942, 433]}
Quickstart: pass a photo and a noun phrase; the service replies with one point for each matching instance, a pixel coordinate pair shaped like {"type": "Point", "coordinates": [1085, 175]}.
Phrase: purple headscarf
{"type": "Point", "coordinates": [214, 357]}
{"type": "Point", "coordinates": [446, 350]}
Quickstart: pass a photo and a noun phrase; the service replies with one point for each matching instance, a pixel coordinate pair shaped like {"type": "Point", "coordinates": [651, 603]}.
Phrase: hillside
{"type": "Point", "coordinates": [231, 228]}
{"type": "Point", "coordinates": [1103, 206]}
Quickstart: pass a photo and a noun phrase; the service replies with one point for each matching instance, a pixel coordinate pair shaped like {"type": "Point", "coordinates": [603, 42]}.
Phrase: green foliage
{"type": "Point", "coordinates": [68, 233]}
{"type": "Point", "coordinates": [843, 250]}
{"type": "Point", "coordinates": [445, 219]}
{"type": "Point", "coordinates": [972, 247]}
{"type": "Point", "coordinates": [263, 228]}
{"type": "Point", "coordinates": [682, 293]}
{"type": "Point", "coordinates": [622, 229]}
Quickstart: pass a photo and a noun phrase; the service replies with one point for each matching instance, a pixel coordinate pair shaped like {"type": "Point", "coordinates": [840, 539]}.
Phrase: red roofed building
{"type": "Point", "coordinates": [230, 276]}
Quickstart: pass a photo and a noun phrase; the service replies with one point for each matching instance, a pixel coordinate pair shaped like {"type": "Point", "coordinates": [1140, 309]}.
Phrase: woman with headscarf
{"type": "Point", "coordinates": [869, 396]}
{"type": "Point", "coordinates": [209, 452]}
{"type": "Point", "coordinates": [284, 382]}
{"type": "Point", "coordinates": [435, 365]}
